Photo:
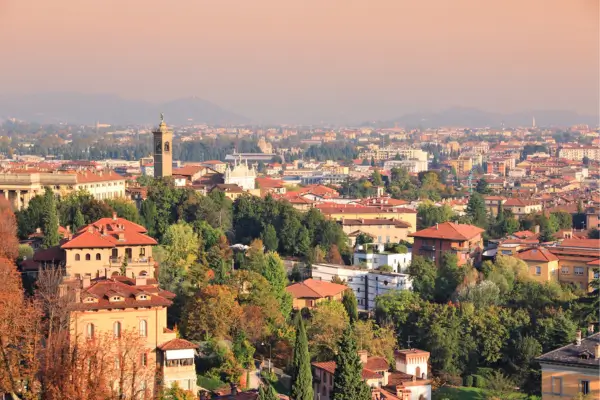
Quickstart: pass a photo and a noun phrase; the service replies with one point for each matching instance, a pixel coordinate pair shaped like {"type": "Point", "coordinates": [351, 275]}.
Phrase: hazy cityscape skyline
{"type": "Point", "coordinates": [304, 62]}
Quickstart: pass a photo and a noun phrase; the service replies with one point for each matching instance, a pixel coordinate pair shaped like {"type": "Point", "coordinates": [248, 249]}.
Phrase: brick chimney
{"type": "Point", "coordinates": [590, 329]}
{"type": "Point", "coordinates": [578, 338]}
{"type": "Point", "coordinates": [114, 216]}
{"type": "Point", "coordinates": [86, 281]}
{"type": "Point", "coordinates": [597, 351]}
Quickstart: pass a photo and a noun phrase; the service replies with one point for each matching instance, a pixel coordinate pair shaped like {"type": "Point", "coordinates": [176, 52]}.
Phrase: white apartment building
{"type": "Point", "coordinates": [414, 166]}
{"type": "Point", "coordinates": [366, 284]}
{"type": "Point", "coordinates": [579, 152]}
{"type": "Point", "coordinates": [374, 260]}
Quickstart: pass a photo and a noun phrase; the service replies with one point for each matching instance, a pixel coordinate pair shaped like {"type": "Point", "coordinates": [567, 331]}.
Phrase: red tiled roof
{"type": "Point", "coordinates": [314, 289]}
{"type": "Point", "coordinates": [582, 243]}
{"type": "Point", "coordinates": [376, 221]}
{"type": "Point", "coordinates": [377, 364]}
{"type": "Point", "coordinates": [103, 289]}
{"type": "Point", "coordinates": [177, 344]}
{"type": "Point", "coordinates": [449, 231]}
{"type": "Point", "coordinates": [110, 232]}
{"type": "Point", "coordinates": [523, 234]}
{"type": "Point", "coordinates": [350, 209]}
{"type": "Point", "coordinates": [91, 177]}
{"type": "Point", "coordinates": [329, 366]}
{"type": "Point", "coordinates": [520, 203]}
{"type": "Point", "coordinates": [537, 254]}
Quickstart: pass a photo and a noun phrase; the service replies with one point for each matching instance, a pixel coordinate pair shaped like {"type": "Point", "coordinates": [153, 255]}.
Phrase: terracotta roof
{"type": "Point", "coordinates": [582, 243]}
{"type": "Point", "coordinates": [177, 344]}
{"type": "Point", "coordinates": [595, 262]}
{"type": "Point", "coordinates": [350, 209]}
{"type": "Point", "coordinates": [329, 366]}
{"type": "Point", "coordinates": [524, 234]}
{"type": "Point", "coordinates": [103, 289]}
{"type": "Point", "coordinates": [110, 232]}
{"type": "Point", "coordinates": [91, 177]}
{"type": "Point", "coordinates": [515, 202]}
{"type": "Point", "coordinates": [376, 221]}
{"type": "Point", "coordinates": [315, 289]}
{"type": "Point", "coordinates": [449, 231]}
{"type": "Point", "coordinates": [377, 364]}
{"type": "Point", "coordinates": [537, 254]}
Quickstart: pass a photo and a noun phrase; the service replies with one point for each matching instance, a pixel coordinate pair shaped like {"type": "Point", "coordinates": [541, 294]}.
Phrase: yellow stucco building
{"type": "Point", "coordinates": [572, 370]}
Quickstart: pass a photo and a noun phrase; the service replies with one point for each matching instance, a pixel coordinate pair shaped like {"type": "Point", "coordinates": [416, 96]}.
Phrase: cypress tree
{"type": "Point", "coordinates": [50, 220]}
{"type": "Point", "coordinates": [350, 304]}
{"type": "Point", "coordinates": [301, 374]}
{"type": "Point", "coordinates": [347, 380]}
{"type": "Point", "coordinates": [266, 393]}
{"type": "Point", "coordinates": [78, 220]}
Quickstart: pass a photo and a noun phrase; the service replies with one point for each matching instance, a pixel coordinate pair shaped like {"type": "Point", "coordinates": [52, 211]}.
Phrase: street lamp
{"type": "Point", "coordinates": [270, 356]}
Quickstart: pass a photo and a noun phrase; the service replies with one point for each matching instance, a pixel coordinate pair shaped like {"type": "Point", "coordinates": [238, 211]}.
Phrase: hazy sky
{"type": "Point", "coordinates": [287, 60]}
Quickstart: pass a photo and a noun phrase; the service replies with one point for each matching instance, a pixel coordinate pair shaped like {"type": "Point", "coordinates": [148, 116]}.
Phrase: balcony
{"type": "Point", "coordinates": [116, 262]}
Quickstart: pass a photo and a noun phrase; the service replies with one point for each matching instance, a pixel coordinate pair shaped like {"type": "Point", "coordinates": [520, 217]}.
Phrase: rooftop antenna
{"type": "Point", "coordinates": [408, 342]}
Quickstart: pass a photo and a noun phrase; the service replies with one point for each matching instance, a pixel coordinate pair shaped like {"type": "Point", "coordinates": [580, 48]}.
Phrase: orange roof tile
{"type": "Point", "coordinates": [315, 289]}
{"type": "Point", "coordinates": [177, 344]}
{"type": "Point", "coordinates": [449, 231]}
{"type": "Point", "coordinates": [537, 254]}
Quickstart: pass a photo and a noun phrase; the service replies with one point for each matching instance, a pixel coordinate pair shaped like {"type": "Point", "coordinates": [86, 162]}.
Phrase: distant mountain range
{"type": "Point", "coordinates": [77, 108]}
{"type": "Point", "coordinates": [472, 117]}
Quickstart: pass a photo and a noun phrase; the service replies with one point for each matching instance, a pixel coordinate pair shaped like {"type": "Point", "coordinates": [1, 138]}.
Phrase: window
{"type": "Point", "coordinates": [89, 331]}
{"type": "Point", "coordinates": [556, 385]}
{"type": "Point", "coordinates": [144, 359]}
{"type": "Point", "coordinates": [88, 257]}
{"type": "Point", "coordinates": [538, 270]}
{"type": "Point", "coordinates": [564, 270]}
{"type": "Point", "coordinates": [378, 239]}
{"type": "Point", "coordinates": [117, 329]}
{"type": "Point", "coordinates": [584, 387]}
{"type": "Point", "coordinates": [98, 257]}
{"type": "Point", "coordinates": [143, 328]}
{"type": "Point", "coordinates": [142, 251]}
{"type": "Point", "coordinates": [579, 270]}
{"type": "Point", "coordinates": [387, 239]}
{"type": "Point", "coordinates": [77, 257]}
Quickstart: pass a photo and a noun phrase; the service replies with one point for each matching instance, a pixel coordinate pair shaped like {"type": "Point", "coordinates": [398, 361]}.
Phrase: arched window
{"type": "Point", "coordinates": [89, 331]}
{"type": "Point", "coordinates": [418, 372]}
{"type": "Point", "coordinates": [117, 329]}
{"type": "Point", "coordinates": [88, 257]}
{"type": "Point", "coordinates": [143, 328]}
{"type": "Point", "coordinates": [98, 257]}
{"type": "Point", "coordinates": [77, 257]}
{"type": "Point", "coordinates": [143, 273]}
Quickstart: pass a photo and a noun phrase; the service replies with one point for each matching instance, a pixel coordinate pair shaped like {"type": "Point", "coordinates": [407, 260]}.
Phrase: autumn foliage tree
{"type": "Point", "coordinates": [211, 313]}
{"type": "Point", "coordinates": [9, 244]}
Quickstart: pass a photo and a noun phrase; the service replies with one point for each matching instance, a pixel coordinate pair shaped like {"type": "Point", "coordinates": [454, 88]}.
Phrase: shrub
{"type": "Point", "coordinates": [469, 381]}
{"type": "Point", "coordinates": [479, 381]}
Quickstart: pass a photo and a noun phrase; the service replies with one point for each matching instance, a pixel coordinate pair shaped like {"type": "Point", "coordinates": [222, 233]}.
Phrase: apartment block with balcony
{"type": "Point", "coordinates": [461, 239]}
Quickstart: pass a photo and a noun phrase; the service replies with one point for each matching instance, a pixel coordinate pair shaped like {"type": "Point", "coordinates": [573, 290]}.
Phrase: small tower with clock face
{"type": "Point", "coordinates": [163, 150]}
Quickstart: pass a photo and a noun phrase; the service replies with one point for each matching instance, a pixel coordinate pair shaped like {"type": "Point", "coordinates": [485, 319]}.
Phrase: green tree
{"type": "Point", "coordinates": [564, 219]}
{"type": "Point", "coordinates": [363, 238]}
{"type": "Point", "coordinates": [274, 272]}
{"type": "Point", "coordinates": [328, 321]}
{"type": "Point", "coordinates": [302, 388]}
{"type": "Point", "coordinates": [348, 383]}
{"type": "Point", "coordinates": [376, 178]}
{"type": "Point", "coordinates": [424, 274]}
{"type": "Point", "coordinates": [482, 187]}
{"type": "Point", "coordinates": [350, 304]}
{"type": "Point", "coordinates": [125, 209]}
{"type": "Point", "coordinates": [593, 234]}
{"type": "Point", "coordinates": [182, 245]}
{"type": "Point", "coordinates": [269, 238]}
{"type": "Point", "coordinates": [266, 392]}
{"type": "Point", "coordinates": [476, 210]}
{"type": "Point", "coordinates": [547, 230]}
{"type": "Point", "coordinates": [450, 275]}
{"type": "Point", "coordinates": [429, 214]}
{"type": "Point", "coordinates": [50, 220]}
{"type": "Point", "coordinates": [78, 221]}
{"type": "Point", "coordinates": [243, 349]}
{"type": "Point", "coordinates": [149, 216]}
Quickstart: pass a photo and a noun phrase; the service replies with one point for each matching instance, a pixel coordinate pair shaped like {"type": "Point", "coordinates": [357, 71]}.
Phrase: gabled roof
{"type": "Point", "coordinates": [537, 254]}
{"type": "Point", "coordinates": [515, 202]}
{"type": "Point", "coordinates": [315, 289]}
{"type": "Point", "coordinates": [449, 231]}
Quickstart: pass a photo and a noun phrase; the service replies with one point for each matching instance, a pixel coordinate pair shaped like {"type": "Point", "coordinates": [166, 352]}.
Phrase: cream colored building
{"type": "Point", "coordinates": [122, 307]}
{"type": "Point", "coordinates": [579, 152]}
{"type": "Point", "coordinates": [110, 246]}
{"type": "Point", "coordinates": [242, 175]}
{"type": "Point", "coordinates": [19, 187]}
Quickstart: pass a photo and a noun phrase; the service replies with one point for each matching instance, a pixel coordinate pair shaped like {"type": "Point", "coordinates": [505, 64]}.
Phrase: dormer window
{"type": "Point", "coordinates": [116, 298]}
{"type": "Point", "coordinates": [90, 299]}
{"type": "Point", "coordinates": [143, 297]}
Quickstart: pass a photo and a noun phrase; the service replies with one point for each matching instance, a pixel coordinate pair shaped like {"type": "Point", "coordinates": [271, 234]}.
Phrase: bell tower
{"type": "Point", "coordinates": [163, 150]}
